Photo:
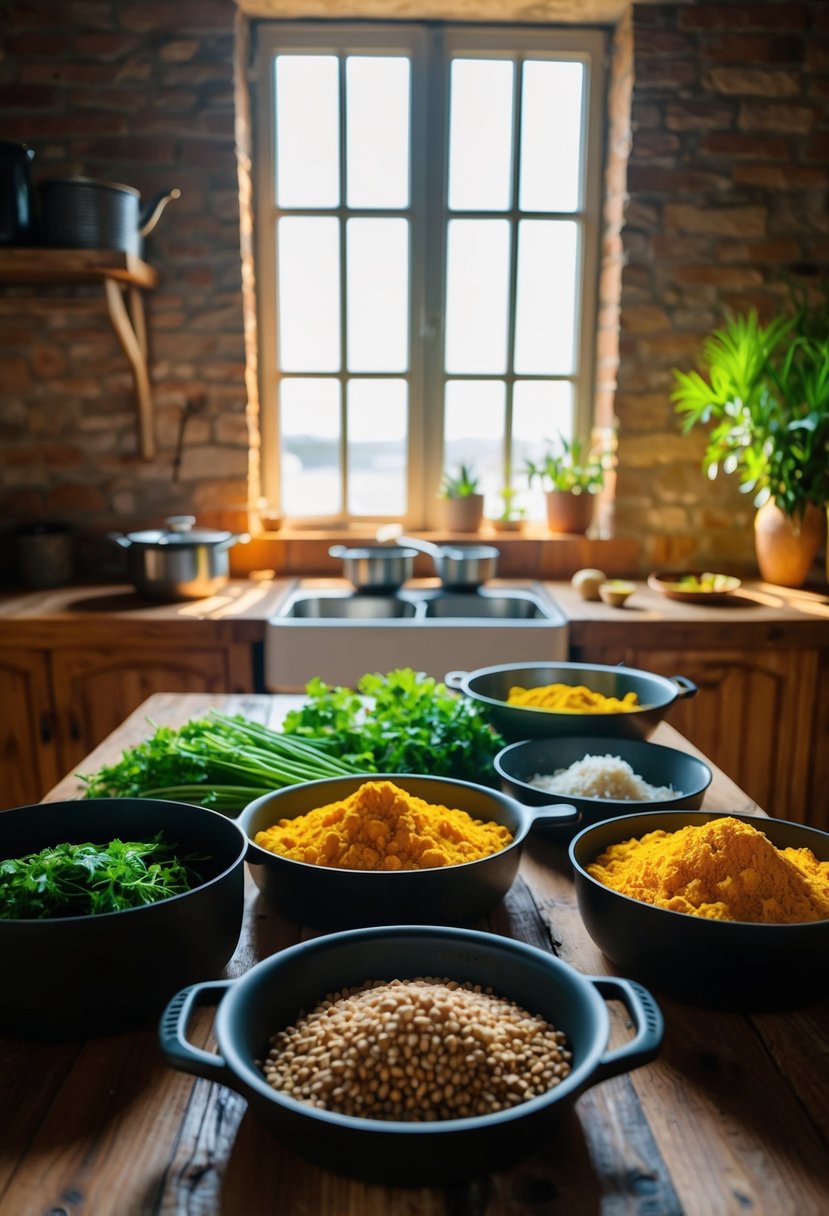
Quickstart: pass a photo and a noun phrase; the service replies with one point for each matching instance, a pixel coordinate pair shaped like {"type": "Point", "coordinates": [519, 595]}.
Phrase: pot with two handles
{"type": "Point", "coordinates": [82, 213]}
{"type": "Point", "coordinates": [459, 567]}
{"type": "Point", "coordinates": [178, 561]}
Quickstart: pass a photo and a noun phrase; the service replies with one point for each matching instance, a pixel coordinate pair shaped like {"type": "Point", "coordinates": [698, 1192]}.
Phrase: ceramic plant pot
{"type": "Point", "coordinates": [568, 512]}
{"type": "Point", "coordinates": [786, 546]}
{"type": "Point", "coordinates": [463, 514]}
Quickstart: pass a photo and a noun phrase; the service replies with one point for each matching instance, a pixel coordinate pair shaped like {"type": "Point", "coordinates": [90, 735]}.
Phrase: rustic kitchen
{"type": "Point", "coordinates": [375, 377]}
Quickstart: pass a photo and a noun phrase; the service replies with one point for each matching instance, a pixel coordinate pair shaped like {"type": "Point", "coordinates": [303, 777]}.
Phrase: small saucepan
{"type": "Point", "coordinates": [178, 561]}
{"type": "Point", "coordinates": [378, 568]}
{"type": "Point", "coordinates": [325, 897]}
{"type": "Point", "coordinates": [459, 567]}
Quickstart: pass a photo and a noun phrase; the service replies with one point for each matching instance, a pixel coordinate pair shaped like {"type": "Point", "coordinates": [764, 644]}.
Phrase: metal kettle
{"type": "Point", "coordinates": [17, 210]}
{"type": "Point", "coordinates": [83, 213]}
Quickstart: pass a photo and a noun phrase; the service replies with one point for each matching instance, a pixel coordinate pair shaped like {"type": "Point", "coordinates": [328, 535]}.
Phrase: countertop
{"type": "Point", "coordinates": [733, 1117]}
{"type": "Point", "coordinates": [758, 612]}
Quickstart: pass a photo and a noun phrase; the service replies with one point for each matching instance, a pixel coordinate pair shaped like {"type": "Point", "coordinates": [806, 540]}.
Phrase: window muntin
{"type": "Point", "coordinates": [463, 300]}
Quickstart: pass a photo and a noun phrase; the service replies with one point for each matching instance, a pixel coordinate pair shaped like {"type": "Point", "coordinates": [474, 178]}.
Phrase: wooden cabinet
{"type": "Point", "coordinates": [57, 704]}
{"type": "Point", "coordinates": [757, 715]}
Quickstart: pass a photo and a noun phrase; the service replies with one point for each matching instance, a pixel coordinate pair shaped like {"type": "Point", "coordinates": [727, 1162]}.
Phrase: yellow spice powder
{"type": "Point", "coordinates": [722, 870]}
{"type": "Point", "coordinates": [382, 827]}
{"type": "Point", "coordinates": [571, 699]}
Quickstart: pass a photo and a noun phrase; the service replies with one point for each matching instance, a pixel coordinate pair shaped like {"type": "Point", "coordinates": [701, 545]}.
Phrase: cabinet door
{"type": "Point", "coordinates": [95, 690]}
{"type": "Point", "coordinates": [753, 716]}
{"type": "Point", "coordinates": [28, 750]}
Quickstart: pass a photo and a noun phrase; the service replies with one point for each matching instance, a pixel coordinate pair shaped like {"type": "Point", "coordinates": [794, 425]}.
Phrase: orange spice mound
{"type": "Point", "coordinates": [382, 827]}
{"type": "Point", "coordinates": [721, 870]}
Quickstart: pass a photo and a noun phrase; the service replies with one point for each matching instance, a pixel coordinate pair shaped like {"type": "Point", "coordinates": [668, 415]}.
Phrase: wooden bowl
{"type": "Point", "coordinates": [669, 584]}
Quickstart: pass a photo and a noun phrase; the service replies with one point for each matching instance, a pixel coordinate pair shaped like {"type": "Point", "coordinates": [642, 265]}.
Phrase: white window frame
{"type": "Point", "coordinates": [430, 47]}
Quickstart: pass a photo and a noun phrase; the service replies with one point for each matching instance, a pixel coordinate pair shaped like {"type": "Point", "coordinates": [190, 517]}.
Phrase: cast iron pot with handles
{"type": "Point", "coordinates": [489, 688]}
{"type": "Point", "coordinates": [178, 561]}
{"type": "Point", "coordinates": [328, 897]}
{"type": "Point", "coordinates": [272, 995]}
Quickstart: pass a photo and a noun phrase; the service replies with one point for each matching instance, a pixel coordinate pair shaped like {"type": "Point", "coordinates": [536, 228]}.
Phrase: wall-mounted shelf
{"type": "Point", "coordinates": [123, 275]}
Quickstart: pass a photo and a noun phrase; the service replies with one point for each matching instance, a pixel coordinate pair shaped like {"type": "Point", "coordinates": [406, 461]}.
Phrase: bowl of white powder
{"type": "Point", "coordinates": [602, 777]}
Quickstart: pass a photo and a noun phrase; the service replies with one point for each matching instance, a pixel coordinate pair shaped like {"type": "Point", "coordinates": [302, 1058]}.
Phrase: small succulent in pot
{"type": "Point", "coordinates": [462, 500]}
{"type": "Point", "coordinates": [462, 484]}
{"type": "Point", "coordinates": [571, 474]}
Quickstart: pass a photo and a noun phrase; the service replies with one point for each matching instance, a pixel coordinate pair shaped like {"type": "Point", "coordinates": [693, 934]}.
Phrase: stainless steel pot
{"type": "Point", "coordinates": [376, 567]}
{"type": "Point", "coordinates": [179, 561]}
{"type": "Point", "coordinates": [462, 567]}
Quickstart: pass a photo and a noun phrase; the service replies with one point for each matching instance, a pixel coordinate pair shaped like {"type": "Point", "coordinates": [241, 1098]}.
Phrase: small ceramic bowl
{"type": "Point", "coordinates": [616, 593]}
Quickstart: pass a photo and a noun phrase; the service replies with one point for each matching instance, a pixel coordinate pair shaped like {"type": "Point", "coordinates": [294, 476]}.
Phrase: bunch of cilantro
{"type": "Point", "coordinates": [400, 722]}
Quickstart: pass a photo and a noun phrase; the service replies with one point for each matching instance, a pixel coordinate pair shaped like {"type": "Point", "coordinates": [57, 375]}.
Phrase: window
{"type": "Point", "coordinates": [427, 212]}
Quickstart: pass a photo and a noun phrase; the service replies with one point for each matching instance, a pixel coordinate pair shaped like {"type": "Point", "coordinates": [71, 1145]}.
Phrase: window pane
{"type": "Point", "coordinates": [307, 125]}
{"type": "Point", "coordinates": [477, 296]}
{"type": "Point", "coordinates": [378, 293]}
{"type": "Point", "coordinates": [377, 140]}
{"type": "Point", "coordinates": [480, 134]}
{"type": "Point", "coordinates": [541, 411]}
{"type": "Point", "coordinates": [546, 297]}
{"type": "Point", "coordinates": [473, 433]}
{"type": "Point", "coordinates": [310, 429]}
{"type": "Point", "coordinates": [377, 437]}
{"type": "Point", "coordinates": [551, 136]}
{"type": "Point", "coordinates": [308, 268]}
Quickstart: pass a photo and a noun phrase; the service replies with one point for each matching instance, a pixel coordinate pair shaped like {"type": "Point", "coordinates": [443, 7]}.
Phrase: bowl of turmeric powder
{"type": "Point", "coordinates": [714, 909]}
{"type": "Point", "coordinates": [543, 700]}
{"type": "Point", "coordinates": [379, 849]}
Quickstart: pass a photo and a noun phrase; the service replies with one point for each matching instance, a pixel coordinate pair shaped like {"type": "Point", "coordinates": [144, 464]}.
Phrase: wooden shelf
{"type": "Point", "coordinates": [122, 275]}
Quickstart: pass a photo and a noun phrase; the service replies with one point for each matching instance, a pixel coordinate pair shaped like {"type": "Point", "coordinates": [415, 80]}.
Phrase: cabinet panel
{"type": "Point", "coordinates": [96, 690]}
{"type": "Point", "coordinates": [28, 751]}
{"type": "Point", "coordinates": [753, 716]}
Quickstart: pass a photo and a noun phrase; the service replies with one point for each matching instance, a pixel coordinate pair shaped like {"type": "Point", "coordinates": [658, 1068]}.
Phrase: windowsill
{"type": "Point", "coordinates": [534, 552]}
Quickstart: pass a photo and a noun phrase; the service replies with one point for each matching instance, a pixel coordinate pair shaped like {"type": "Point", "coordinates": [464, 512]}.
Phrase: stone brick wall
{"type": "Point", "coordinates": [141, 93]}
{"type": "Point", "coordinates": [727, 202]}
{"type": "Point", "coordinates": [723, 108]}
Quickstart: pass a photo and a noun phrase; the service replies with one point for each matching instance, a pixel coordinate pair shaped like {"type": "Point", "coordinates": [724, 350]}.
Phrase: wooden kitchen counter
{"type": "Point", "coordinates": [732, 1118]}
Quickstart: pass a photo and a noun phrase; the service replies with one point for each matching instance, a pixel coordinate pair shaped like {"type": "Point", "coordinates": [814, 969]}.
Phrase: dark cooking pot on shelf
{"type": "Point", "coordinates": [460, 567]}
{"type": "Point", "coordinates": [178, 561]}
{"type": "Point", "coordinates": [378, 568]}
{"type": "Point", "coordinates": [330, 898]}
{"type": "Point", "coordinates": [272, 995]}
{"type": "Point", "coordinates": [82, 213]}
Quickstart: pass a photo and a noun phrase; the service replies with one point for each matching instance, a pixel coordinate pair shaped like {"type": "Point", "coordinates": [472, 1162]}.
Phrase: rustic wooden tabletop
{"type": "Point", "coordinates": [732, 1118]}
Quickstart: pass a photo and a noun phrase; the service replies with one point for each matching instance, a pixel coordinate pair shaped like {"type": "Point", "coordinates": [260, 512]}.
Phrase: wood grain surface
{"type": "Point", "coordinates": [732, 1118]}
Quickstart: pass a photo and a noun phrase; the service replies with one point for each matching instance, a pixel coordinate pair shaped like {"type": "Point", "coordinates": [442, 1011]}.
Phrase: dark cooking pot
{"type": "Point", "coordinates": [375, 567]}
{"type": "Point", "coordinates": [463, 567]}
{"type": "Point", "coordinates": [328, 897]}
{"type": "Point", "coordinates": [272, 995]}
{"type": "Point", "coordinates": [179, 561]}
{"type": "Point", "coordinates": [716, 963]}
{"type": "Point", "coordinates": [17, 211]}
{"type": "Point", "coordinates": [81, 213]}
{"type": "Point", "coordinates": [84, 975]}
{"type": "Point", "coordinates": [489, 688]}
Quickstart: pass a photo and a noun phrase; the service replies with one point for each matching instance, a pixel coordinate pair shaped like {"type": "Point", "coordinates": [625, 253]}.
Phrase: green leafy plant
{"type": "Point", "coordinates": [461, 484]}
{"type": "Point", "coordinates": [570, 466]}
{"type": "Point", "coordinates": [510, 510]}
{"type": "Point", "coordinates": [764, 391]}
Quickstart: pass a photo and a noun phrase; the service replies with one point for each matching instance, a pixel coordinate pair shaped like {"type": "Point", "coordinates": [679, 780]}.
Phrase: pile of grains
{"type": "Point", "coordinates": [601, 777]}
{"type": "Point", "coordinates": [417, 1050]}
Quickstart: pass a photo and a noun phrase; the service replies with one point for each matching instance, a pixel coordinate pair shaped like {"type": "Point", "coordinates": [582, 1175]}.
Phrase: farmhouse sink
{"type": "Point", "coordinates": [339, 634]}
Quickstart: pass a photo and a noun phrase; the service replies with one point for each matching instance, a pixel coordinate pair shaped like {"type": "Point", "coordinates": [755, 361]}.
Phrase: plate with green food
{"type": "Point", "coordinates": [694, 586]}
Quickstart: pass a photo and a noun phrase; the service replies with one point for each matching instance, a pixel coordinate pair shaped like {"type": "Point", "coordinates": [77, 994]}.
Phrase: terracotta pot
{"type": "Point", "coordinates": [569, 512]}
{"type": "Point", "coordinates": [786, 546]}
{"type": "Point", "coordinates": [463, 514]}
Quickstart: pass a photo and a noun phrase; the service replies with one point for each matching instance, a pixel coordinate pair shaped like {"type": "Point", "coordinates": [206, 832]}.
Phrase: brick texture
{"type": "Point", "coordinates": [729, 165]}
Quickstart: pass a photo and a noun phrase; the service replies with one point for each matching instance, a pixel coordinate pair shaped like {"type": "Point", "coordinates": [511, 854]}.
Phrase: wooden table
{"type": "Point", "coordinates": [732, 1118]}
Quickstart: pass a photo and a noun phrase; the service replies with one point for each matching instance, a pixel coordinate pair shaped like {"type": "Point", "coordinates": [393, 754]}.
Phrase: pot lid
{"type": "Point", "coordinates": [179, 530]}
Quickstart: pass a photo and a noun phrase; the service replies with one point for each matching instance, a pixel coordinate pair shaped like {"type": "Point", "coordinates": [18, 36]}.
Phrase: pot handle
{"type": "Point", "coordinates": [556, 814]}
{"type": "Point", "coordinates": [237, 538]}
{"type": "Point", "coordinates": [172, 1033]}
{"type": "Point", "coordinates": [337, 551]}
{"type": "Point", "coordinates": [120, 539]}
{"type": "Point", "coordinates": [687, 688]}
{"type": "Point", "coordinates": [455, 679]}
{"type": "Point", "coordinates": [648, 1023]}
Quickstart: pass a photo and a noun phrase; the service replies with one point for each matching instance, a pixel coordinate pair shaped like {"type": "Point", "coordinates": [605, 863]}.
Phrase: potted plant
{"type": "Point", "coordinates": [571, 474]}
{"type": "Point", "coordinates": [512, 517]}
{"type": "Point", "coordinates": [764, 390]}
{"type": "Point", "coordinates": [463, 501]}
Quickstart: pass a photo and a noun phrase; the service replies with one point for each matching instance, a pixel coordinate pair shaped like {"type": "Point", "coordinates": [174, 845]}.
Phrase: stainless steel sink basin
{"type": "Point", "coordinates": [339, 634]}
